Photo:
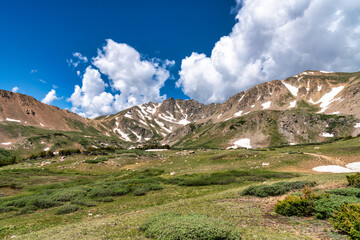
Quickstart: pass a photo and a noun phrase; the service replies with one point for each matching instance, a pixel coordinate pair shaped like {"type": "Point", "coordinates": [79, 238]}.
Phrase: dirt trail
{"type": "Point", "coordinates": [330, 159]}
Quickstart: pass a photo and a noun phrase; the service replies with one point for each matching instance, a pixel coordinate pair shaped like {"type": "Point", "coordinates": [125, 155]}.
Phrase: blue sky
{"type": "Point", "coordinates": [140, 51]}
{"type": "Point", "coordinates": [42, 35]}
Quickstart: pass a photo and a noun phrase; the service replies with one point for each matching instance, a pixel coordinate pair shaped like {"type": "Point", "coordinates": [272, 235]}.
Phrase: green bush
{"type": "Point", "coordinates": [275, 189]}
{"type": "Point", "coordinates": [173, 226]}
{"type": "Point", "coordinates": [65, 209]}
{"type": "Point", "coordinates": [83, 202]}
{"type": "Point", "coordinates": [294, 206]}
{"type": "Point", "coordinates": [354, 192]}
{"type": "Point", "coordinates": [354, 180]}
{"type": "Point", "coordinates": [139, 191]}
{"type": "Point", "coordinates": [326, 204]}
{"type": "Point", "coordinates": [7, 209]}
{"type": "Point", "coordinates": [224, 178]}
{"type": "Point", "coordinates": [67, 195]}
{"type": "Point", "coordinates": [105, 199]}
{"type": "Point", "coordinates": [347, 220]}
{"type": "Point", "coordinates": [93, 161]}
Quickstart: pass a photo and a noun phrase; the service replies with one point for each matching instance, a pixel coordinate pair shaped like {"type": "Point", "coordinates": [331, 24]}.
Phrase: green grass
{"type": "Point", "coordinates": [70, 199]}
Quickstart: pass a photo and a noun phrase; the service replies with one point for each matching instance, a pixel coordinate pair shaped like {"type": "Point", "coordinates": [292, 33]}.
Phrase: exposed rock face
{"type": "Point", "coordinates": [299, 103]}
{"type": "Point", "coordinates": [311, 91]}
{"type": "Point", "coordinates": [26, 110]}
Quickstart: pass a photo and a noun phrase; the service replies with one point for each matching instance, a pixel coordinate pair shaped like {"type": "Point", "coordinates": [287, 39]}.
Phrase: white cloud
{"type": "Point", "coordinates": [78, 73]}
{"type": "Point", "coordinates": [133, 79]}
{"type": "Point", "coordinates": [274, 39]}
{"type": "Point", "coordinates": [54, 86]}
{"type": "Point", "coordinates": [80, 57]}
{"type": "Point", "coordinates": [50, 97]}
{"type": "Point", "coordinates": [33, 71]}
{"type": "Point", "coordinates": [15, 89]}
{"type": "Point", "coordinates": [41, 80]}
{"type": "Point", "coordinates": [91, 100]}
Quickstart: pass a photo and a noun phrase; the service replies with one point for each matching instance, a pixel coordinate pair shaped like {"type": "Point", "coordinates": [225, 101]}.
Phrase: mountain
{"type": "Point", "coordinates": [308, 107]}
{"type": "Point", "coordinates": [303, 98]}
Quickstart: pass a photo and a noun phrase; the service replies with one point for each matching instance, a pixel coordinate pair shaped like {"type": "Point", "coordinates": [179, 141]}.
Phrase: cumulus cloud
{"type": "Point", "coordinates": [133, 80]}
{"type": "Point", "coordinates": [274, 39]}
{"type": "Point", "coordinates": [91, 100]}
{"type": "Point", "coordinates": [33, 71]}
{"type": "Point", "coordinates": [50, 97]}
{"type": "Point", "coordinates": [15, 89]}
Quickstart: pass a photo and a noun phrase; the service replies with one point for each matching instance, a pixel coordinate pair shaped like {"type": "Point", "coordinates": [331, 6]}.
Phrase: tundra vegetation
{"type": "Point", "coordinates": [114, 193]}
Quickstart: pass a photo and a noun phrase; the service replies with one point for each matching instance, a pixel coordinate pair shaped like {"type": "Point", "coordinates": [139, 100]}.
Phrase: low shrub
{"type": "Point", "coordinates": [67, 195]}
{"type": "Point", "coordinates": [275, 189]}
{"type": "Point", "coordinates": [67, 152]}
{"type": "Point", "coordinates": [347, 220]}
{"type": "Point", "coordinates": [294, 206]}
{"type": "Point", "coordinates": [173, 226]}
{"type": "Point", "coordinates": [83, 202]}
{"type": "Point", "coordinates": [354, 180]}
{"type": "Point", "coordinates": [93, 161]}
{"type": "Point", "coordinates": [105, 199]}
{"type": "Point", "coordinates": [65, 209]}
{"type": "Point", "coordinates": [354, 192]}
{"type": "Point", "coordinates": [224, 178]}
{"type": "Point", "coordinates": [327, 204]}
{"type": "Point", "coordinates": [7, 209]}
{"type": "Point", "coordinates": [140, 191]}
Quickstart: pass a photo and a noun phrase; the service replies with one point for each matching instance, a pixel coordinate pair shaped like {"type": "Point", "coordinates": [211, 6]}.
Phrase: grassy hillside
{"type": "Point", "coordinates": [111, 196]}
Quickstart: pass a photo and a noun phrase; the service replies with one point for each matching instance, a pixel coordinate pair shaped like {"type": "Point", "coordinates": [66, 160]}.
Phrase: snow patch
{"type": "Point", "coordinates": [238, 114]}
{"type": "Point", "coordinates": [319, 88]}
{"type": "Point", "coordinates": [335, 112]}
{"type": "Point", "coordinates": [328, 98]}
{"type": "Point", "coordinates": [292, 104]}
{"type": "Point", "coordinates": [252, 106]}
{"type": "Point", "coordinates": [128, 115]}
{"type": "Point", "coordinates": [12, 120]}
{"type": "Point", "coordinates": [325, 134]}
{"type": "Point", "coordinates": [6, 143]}
{"type": "Point", "coordinates": [241, 97]}
{"type": "Point", "coordinates": [351, 167]}
{"type": "Point", "coordinates": [326, 71]}
{"type": "Point", "coordinates": [292, 89]}
{"type": "Point", "coordinates": [184, 122]}
{"type": "Point", "coordinates": [42, 125]}
{"type": "Point", "coordinates": [155, 150]}
{"type": "Point", "coordinates": [219, 116]}
{"type": "Point", "coordinates": [123, 135]}
{"type": "Point", "coordinates": [137, 136]}
{"type": "Point", "coordinates": [243, 142]}
{"type": "Point", "coordinates": [266, 105]}
{"type": "Point", "coordinates": [46, 149]}
{"type": "Point", "coordinates": [332, 169]}
{"type": "Point", "coordinates": [357, 125]}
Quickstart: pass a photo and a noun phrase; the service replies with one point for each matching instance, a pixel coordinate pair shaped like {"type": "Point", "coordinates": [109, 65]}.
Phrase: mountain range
{"type": "Point", "coordinates": [311, 106]}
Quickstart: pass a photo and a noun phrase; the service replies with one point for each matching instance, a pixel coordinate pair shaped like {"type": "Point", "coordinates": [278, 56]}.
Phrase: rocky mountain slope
{"type": "Point", "coordinates": [308, 107]}
{"type": "Point", "coordinates": [315, 92]}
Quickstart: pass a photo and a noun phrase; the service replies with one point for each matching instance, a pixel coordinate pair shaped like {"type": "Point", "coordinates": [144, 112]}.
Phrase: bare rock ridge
{"type": "Point", "coordinates": [272, 108]}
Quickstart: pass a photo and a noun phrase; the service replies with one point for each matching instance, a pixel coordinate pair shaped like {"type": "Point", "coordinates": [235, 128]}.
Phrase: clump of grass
{"type": "Point", "coordinates": [173, 226]}
{"type": "Point", "coordinates": [275, 189]}
{"type": "Point", "coordinates": [68, 208]}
